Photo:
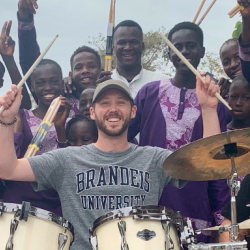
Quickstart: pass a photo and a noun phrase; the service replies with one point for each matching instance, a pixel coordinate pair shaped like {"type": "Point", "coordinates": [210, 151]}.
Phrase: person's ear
{"type": "Point", "coordinates": [203, 52]}
{"type": "Point", "coordinates": [92, 113]}
{"type": "Point", "coordinates": [133, 113]}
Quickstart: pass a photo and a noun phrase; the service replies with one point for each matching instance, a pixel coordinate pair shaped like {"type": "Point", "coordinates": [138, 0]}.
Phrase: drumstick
{"type": "Point", "coordinates": [206, 12]}
{"type": "Point", "coordinates": [43, 128]}
{"type": "Point", "coordinates": [191, 67]}
{"type": "Point", "coordinates": [110, 33]}
{"type": "Point", "coordinates": [198, 11]}
{"type": "Point", "coordinates": [235, 10]}
{"type": "Point", "coordinates": [20, 84]}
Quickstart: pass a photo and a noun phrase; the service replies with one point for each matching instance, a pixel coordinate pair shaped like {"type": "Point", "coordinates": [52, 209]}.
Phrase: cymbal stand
{"type": "Point", "coordinates": [231, 151]}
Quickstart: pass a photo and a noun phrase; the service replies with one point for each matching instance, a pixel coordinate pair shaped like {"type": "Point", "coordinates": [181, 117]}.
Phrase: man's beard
{"type": "Point", "coordinates": [101, 126]}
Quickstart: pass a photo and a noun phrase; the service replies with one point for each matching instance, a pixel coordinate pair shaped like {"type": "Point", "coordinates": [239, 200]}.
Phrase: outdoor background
{"type": "Point", "coordinates": [82, 22]}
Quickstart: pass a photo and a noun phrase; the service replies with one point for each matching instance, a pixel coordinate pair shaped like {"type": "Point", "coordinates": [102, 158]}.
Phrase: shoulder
{"type": "Point", "coordinates": [153, 150]}
{"type": "Point", "coordinates": [154, 76]}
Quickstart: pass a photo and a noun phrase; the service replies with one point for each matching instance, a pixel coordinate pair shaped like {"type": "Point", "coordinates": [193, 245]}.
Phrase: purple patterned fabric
{"type": "Point", "coordinates": [181, 110]}
{"type": "Point", "coordinates": [163, 110]}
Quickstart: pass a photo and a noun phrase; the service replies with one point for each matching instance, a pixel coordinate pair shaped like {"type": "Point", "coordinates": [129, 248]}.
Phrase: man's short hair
{"type": "Point", "coordinates": [129, 23]}
{"type": "Point", "coordinates": [89, 50]}
{"type": "Point", "coordinates": [188, 26]}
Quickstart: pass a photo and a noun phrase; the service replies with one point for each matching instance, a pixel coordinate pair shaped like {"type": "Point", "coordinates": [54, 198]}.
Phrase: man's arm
{"type": "Point", "coordinates": [29, 49]}
{"type": "Point", "coordinates": [206, 97]}
{"type": "Point", "coordinates": [11, 168]}
{"type": "Point", "coordinates": [244, 42]}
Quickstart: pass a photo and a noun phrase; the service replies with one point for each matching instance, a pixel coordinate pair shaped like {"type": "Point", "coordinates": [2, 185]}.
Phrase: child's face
{"type": "Point", "coordinates": [85, 70]}
{"type": "Point", "coordinates": [239, 100]}
{"type": "Point", "coordinates": [80, 134]}
{"type": "Point", "coordinates": [230, 59]}
{"type": "Point", "coordinates": [47, 83]}
{"type": "Point", "coordinates": [85, 101]}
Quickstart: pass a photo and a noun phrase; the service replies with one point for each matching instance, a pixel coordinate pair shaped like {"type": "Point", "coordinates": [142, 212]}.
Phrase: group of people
{"type": "Point", "coordinates": [90, 162]}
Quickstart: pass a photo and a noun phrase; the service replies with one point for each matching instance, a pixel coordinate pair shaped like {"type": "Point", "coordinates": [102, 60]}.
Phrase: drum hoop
{"type": "Point", "coordinates": [39, 213]}
{"type": "Point", "coordinates": [156, 211]}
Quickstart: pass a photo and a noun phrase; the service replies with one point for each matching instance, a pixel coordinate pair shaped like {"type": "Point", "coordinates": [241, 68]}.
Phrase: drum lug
{"type": "Point", "coordinates": [93, 242]}
{"type": "Point", "coordinates": [122, 229]}
{"type": "Point", "coordinates": [62, 240]}
{"type": "Point", "coordinates": [13, 227]}
{"type": "Point", "coordinates": [169, 242]}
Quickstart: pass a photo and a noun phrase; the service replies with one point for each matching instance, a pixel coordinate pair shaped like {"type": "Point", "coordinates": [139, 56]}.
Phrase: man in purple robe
{"type": "Point", "coordinates": [169, 116]}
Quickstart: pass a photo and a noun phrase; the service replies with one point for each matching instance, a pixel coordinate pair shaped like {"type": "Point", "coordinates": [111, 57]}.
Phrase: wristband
{"type": "Point", "coordinates": [9, 123]}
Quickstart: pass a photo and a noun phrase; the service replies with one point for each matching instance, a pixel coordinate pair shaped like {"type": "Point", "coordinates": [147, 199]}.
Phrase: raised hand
{"type": "Point", "coordinates": [7, 44]}
{"type": "Point", "coordinates": [26, 7]}
{"type": "Point", "coordinates": [206, 92]}
{"type": "Point", "coordinates": [11, 102]}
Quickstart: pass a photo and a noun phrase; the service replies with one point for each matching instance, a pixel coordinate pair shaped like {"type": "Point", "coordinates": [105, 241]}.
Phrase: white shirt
{"type": "Point", "coordinates": [145, 76]}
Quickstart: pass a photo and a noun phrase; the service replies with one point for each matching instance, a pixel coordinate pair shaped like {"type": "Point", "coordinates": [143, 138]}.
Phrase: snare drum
{"type": "Point", "coordinates": [25, 227]}
{"type": "Point", "coordinates": [137, 228]}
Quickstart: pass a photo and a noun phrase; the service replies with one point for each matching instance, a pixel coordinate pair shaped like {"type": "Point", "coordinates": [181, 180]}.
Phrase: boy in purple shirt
{"type": "Point", "coordinates": [169, 116]}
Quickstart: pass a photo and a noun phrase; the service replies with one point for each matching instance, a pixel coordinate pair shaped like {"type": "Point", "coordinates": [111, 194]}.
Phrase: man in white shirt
{"type": "Point", "coordinates": [128, 49]}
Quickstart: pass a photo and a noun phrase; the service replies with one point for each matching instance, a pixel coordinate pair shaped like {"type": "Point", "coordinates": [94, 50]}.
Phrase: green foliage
{"type": "Point", "coordinates": [238, 29]}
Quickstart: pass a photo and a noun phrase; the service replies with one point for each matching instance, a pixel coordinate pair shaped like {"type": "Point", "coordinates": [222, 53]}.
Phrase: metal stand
{"type": "Point", "coordinates": [231, 151]}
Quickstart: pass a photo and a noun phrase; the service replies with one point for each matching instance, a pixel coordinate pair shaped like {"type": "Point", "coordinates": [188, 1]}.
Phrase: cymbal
{"type": "Point", "coordinates": [205, 160]}
{"type": "Point", "coordinates": [243, 225]}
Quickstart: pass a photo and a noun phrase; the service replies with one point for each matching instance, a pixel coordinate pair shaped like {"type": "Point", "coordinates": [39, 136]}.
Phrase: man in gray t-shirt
{"type": "Point", "coordinates": [93, 179]}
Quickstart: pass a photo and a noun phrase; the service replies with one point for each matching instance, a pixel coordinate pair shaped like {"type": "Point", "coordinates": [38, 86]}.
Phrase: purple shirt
{"type": "Point", "coordinates": [169, 117]}
{"type": "Point", "coordinates": [244, 53]}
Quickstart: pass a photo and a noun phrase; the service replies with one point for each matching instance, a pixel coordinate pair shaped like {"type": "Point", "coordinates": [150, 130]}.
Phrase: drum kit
{"type": "Point", "coordinates": [142, 227]}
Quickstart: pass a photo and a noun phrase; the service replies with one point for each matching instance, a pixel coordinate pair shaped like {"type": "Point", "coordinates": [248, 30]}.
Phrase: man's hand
{"type": "Point", "coordinates": [245, 36]}
{"type": "Point", "coordinates": [27, 7]}
{"type": "Point", "coordinates": [206, 93]}
{"type": "Point", "coordinates": [11, 102]}
{"type": "Point", "coordinates": [224, 87]}
{"type": "Point", "coordinates": [104, 76]}
{"type": "Point", "coordinates": [7, 45]}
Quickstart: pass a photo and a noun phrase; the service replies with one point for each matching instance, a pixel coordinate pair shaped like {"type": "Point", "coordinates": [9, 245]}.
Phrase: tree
{"type": "Point", "coordinates": [238, 29]}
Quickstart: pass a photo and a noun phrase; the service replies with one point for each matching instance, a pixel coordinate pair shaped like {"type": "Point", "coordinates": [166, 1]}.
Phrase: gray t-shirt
{"type": "Point", "coordinates": [91, 182]}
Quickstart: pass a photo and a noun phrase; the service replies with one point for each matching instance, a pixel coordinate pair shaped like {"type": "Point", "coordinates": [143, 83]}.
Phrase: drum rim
{"type": "Point", "coordinates": [39, 213]}
{"type": "Point", "coordinates": [126, 211]}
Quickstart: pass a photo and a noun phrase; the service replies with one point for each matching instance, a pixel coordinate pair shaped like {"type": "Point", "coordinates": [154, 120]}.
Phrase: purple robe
{"type": "Point", "coordinates": [203, 200]}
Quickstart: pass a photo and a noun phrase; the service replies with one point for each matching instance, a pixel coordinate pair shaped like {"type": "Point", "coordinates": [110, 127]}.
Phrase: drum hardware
{"type": "Point", "coordinates": [93, 241]}
{"type": "Point", "coordinates": [23, 214]}
{"type": "Point", "coordinates": [187, 234]}
{"type": "Point", "coordinates": [239, 245]}
{"type": "Point", "coordinates": [62, 240]}
{"type": "Point", "coordinates": [169, 244]}
{"type": "Point", "coordinates": [13, 227]}
{"type": "Point", "coordinates": [122, 228]}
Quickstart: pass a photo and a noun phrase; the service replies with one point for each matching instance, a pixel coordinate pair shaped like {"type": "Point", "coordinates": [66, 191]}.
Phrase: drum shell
{"type": "Point", "coordinates": [109, 237]}
{"type": "Point", "coordinates": [35, 233]}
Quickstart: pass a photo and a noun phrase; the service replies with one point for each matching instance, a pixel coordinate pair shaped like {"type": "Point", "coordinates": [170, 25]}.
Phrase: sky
{"type": "Point", "coordinates": [77, 20]}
